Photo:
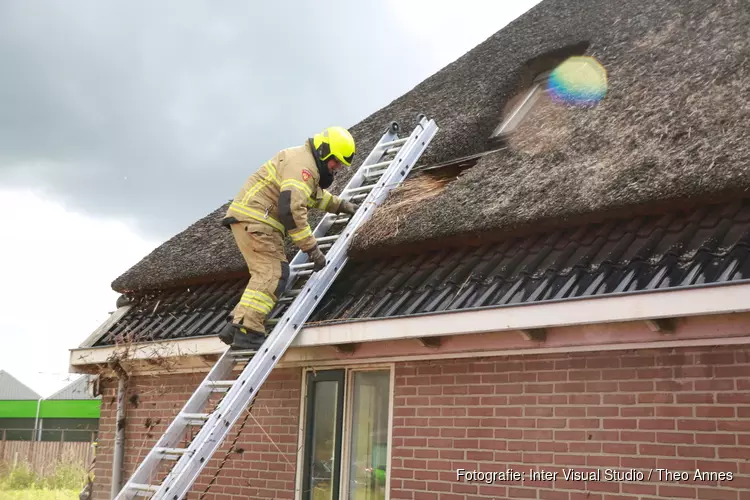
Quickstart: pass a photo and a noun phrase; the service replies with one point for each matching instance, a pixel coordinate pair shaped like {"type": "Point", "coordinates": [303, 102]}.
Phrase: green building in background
{"type": "Point", "coordinates": [70, 415]}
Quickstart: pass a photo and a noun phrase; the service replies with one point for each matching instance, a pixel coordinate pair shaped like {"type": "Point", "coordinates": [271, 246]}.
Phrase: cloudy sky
{"type": "Point", "coordinates": [121, 123]}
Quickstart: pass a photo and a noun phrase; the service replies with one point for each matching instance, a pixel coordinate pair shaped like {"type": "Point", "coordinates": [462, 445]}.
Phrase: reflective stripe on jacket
{"type": "Point", "coordinates": [280, 193]}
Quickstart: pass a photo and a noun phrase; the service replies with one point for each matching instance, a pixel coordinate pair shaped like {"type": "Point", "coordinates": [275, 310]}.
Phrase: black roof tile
{"type": "Point", "coordinates": [705, 245]}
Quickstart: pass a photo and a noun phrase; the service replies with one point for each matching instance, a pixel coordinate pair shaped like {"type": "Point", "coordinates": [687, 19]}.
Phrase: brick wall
{"type": "Point", "coordinates": [677, 409]}
{"type": "Point", "coordinates": [154, 401]}
{"type": "Point", "coordinates": [681, 409]}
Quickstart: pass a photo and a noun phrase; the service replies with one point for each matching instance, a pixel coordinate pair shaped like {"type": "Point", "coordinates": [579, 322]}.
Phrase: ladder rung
{"type": "Point", "coordinates": [359, 196]}
{"type": "Point", "coordinates": [196, 416]}
{"type": "Point", "coordinates": [171, 453]}
{"type": "Point", "coordinates": [342, 220]}
{"type": "Point", "coordinates": [328, 238]}
{"type": "Point", "coordinates": [397, 142]}
{"type": "Point", "coordinates": [359, 189]}
{"type": "Point", "coordinates": [306, 265]}
{"type": "Point", "coordinates": [392, 150]}
{"type": "Point", "coordinates": [377, 165]}
{"type": "Point", "coordinates": [220, 383]}
{"type": "Point", "coordinates": [243, 354]}
{"type": "Point", "coordinates": [143, 487]}
{"type": "Point", "coordinates": [374, 173]}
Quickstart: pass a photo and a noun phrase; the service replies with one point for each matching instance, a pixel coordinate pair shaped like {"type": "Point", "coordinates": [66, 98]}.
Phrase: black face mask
{"type": "Point", "coordinates": [326, 177]}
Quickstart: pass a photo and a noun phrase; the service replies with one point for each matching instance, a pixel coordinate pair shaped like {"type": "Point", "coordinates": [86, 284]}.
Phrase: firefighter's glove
{"type": "Point", "coordinates": [348, 207]}
{"type": "Point", "coordinates": [318, 259]}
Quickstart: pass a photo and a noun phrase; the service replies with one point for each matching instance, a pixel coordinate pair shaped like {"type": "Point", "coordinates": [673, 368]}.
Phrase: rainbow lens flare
{"type": "Point", "coordinates": [579, 81]}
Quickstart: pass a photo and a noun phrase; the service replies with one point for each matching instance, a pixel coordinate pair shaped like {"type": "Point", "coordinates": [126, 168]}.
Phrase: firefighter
{"type": "Point", "coordinates": [273, 203]}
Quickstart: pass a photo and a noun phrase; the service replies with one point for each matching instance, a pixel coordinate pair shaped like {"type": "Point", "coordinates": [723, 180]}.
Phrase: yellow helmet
{"type": "Point", "coordinates": [336, 142]}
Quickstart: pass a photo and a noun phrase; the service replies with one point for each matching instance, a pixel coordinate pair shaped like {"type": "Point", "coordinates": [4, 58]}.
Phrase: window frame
{"type": "Point", "coordinates": [343, 451]}
{"type": "Point", "coordinates": [311, 378]}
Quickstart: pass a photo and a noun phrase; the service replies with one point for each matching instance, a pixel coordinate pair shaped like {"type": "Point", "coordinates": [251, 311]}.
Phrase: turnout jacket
{"type": "Point", "coordinates": [279, 194]}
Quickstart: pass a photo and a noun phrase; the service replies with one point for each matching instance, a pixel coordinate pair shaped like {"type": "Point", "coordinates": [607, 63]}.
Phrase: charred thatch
{"type": "Point", "coordinates": [673, 126]}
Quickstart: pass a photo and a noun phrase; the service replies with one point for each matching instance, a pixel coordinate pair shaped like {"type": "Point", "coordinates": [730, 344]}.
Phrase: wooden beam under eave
{"type": "Point", "coordinates": [536, 334]}
{"type": "Point", "coordinates": [346, 348]}
{"type": "Point", "coordinates": [663, 325]}
{"type": "Point", "coordinates": [431, 342]}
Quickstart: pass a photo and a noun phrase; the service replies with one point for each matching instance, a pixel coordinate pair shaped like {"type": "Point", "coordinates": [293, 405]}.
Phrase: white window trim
{"type": "Point", "coordinates": [346, 429]}
{"type": "Point", "coordinates": [519, 112]}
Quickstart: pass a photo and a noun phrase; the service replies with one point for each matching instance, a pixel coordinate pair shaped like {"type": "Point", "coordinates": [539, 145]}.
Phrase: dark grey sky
{"type": "Point", "coordinates": [157, 111]}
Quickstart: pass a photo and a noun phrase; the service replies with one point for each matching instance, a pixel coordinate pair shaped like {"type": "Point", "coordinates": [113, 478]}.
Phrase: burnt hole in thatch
{"type": "Point", "coordinates": [413, 195]}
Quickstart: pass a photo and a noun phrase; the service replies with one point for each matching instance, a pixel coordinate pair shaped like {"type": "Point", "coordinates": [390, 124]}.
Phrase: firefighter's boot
{"type": "Point", "coordinates": [247, 340]}
{"type": "Point", "coordinates": [226, 334]}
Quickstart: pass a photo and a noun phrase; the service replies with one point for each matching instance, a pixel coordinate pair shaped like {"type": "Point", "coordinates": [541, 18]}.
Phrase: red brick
{"type": "Point", "coordinates": [570, 387]}
{"type": "Point", "coordinates": [619, 423]}
{"type": "Point", "coordinates": [657, 450]}
{"type": "Point", "coordinates": [675, 437]}
{"type": "Point", "coordinates": [715, 385]}
{"type": "Point", "coordinates": [733, 398]}
{"type": "Point", "coordinates": [553, 399]}
{"type": "Point", "coordinates": [638, 462]}
{"type": "Point", "coordinates": [717, 494]}
{"type": "Point", "coordinates": [696, 398]}
{"type": "Point", "coordinates": [715, 438]}
{"type": "Point", "coordinates": [619, 374]}
{"type": "Point", "coordinates": [584, 447]}
{"type": "Point", "coordinates": [696, 451]}
{"type": "Point", "coordinates": [570, 435]}
{"type": "Point", "coordinates": [620, 448]}
{"type": "Point", "coordinates": [639, 386]}
{"type": "Point", "coordinates": [522, 377]}
{"type": "Point", "coordinates": [570, 411]}
{"type": "Point", "coordinates": [608, 387]}
{"type": "Point", "coordinates": [619, 399]}
{"type": "Point", "coordinates": [584, 399]}
{"type": "Point", "coordinates": [603, 411]}
{"type": "Point", "coordinates": [696, 425]}
{"type": "Point", "coordinates": [715, 411]}
{"type": "Point", "coordinates": [677, 491]}
{"type": "Point", "coordinates": [569, 460]}
{"type": "Point", "coordinates": [734, 425]}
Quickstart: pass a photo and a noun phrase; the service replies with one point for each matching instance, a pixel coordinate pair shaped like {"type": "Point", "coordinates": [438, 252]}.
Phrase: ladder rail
{"type": "Point", "coordinates": [175, 431]}
{"type": "Point", "coordinates": [245, 388]}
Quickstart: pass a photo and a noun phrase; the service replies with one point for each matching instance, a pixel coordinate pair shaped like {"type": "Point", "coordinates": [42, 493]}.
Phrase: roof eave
{"type": "Point", "coordinates": [530, 327]}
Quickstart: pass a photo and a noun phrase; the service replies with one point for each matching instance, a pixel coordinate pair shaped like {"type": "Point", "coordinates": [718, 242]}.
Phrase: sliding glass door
{"type": "Point", "coordinates": [325, 405]}
{"type": "Point", "coordinates": [346, 445]}
{"type": "Point", "coordinates": [368, 438]}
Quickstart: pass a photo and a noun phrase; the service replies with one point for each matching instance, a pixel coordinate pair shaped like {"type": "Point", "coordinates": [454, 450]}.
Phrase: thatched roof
{"type": "Point", "coordinates": [673, 126]}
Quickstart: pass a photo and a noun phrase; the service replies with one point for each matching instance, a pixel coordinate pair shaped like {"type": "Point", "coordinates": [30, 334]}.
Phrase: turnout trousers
{"type": "Point", "coordinates": [263, 249]}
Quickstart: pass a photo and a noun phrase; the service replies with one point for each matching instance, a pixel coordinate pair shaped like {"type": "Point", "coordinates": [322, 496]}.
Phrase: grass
{"type": "Point", "coordinates": [36, 494]}
{"type": "Point", "coordinates": [22, 483]}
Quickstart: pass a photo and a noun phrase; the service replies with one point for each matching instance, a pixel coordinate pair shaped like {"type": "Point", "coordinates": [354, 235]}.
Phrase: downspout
{"type": "Point", "coordinates": [36, 436]}
{"type": "Point", "coordinates": [119, 448]}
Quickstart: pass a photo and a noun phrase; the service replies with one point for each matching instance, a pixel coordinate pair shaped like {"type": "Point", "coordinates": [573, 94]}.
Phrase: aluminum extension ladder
{"type": "Point", "coordinates": [370, 185]}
